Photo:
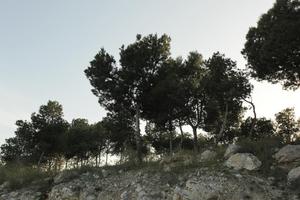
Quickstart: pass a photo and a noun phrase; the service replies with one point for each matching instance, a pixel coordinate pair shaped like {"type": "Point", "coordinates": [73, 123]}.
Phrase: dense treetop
{"type": "Point", "coordinates": [273, 46]}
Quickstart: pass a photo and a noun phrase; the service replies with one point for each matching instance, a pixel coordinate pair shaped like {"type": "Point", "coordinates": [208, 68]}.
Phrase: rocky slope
{"type": "Point", "coordinates": [174, 179]}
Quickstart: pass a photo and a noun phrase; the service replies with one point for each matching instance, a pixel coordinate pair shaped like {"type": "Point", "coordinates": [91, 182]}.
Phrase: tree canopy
{"type": "Point", "coordinates": [272, 48]}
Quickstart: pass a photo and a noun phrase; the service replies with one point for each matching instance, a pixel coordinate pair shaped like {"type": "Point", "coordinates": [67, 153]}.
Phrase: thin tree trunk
{"type": "Point", "coordinates": [195, 139]}
{"type": "Point", "coordinates": [253, 124]}
{"type": "Point", "coordinates": [170, 138]}
{"type": "Point", "coordinates": [99, 155]}
{"type": "Point", "coordinates": [106, 158]}
{"type": "Point", "coordinates": [40, 159]}
{"type": "Point", "coordinates": [96, 160]}
{"type": "Point", "coordinates": [138, 134]}
{"type": "Point", "coordinates": [224, 123]}
{"type": "Point", "coordinates": [181, 136]}
{"type": "Point", "coordinates": [49, 165]}
{"type": "Point", "coordinates": [66, 164]}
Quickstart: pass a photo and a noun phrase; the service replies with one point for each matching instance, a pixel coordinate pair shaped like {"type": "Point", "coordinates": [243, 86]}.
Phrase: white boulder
{"type": "Point", "coordinates": [243, 161]}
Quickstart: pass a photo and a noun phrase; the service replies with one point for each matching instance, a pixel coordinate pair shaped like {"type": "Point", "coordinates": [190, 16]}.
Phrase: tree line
{"type": "Point", "coordinates": [48, 141]}
{"type": "Point", "coordinates": [148, 84]}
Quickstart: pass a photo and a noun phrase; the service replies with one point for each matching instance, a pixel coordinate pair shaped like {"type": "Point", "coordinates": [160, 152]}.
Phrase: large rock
{"type": "Point", "coordinates": [218, 186]}
{"type": "Point", "coordinates": [294, 175]}
{"type": "Point", "coordinates": [208, 155]}
{"type": "Point", "coordinates": [231, 149]}
{"type": "Point", "coordinates": [288, 154]}
{"type": "Point", "coordinates": [243, 161]}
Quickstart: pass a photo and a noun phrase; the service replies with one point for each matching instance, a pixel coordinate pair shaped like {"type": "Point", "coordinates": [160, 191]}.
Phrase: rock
{"type": "Point", "coordinates": [243, 161]}
{"type": "Point", "coordinates": [192, 184]}
{"type": "Point", "coordinates": [216, 187]}
{"type": "Point", "coordinates": [65, 176]}
{"type": "Point", "coordinates": [294, 175]}
{"type": "Point", "coordinates": [64, 191]}
{"type": "Point", "coordinates": [23, 194]}
{"type": "Point", "coordinates": [287, 154]}
{"type": "Point", "coordinates": [105, 173]}
{"type": "Point", "coordinates": [124, 195]}
{"type": "Point", "coordinates": [231, 149]}
{"type": "Point", "coordinates": [4, 186]}
{"type": "Point", "coordinates": [208, 155]}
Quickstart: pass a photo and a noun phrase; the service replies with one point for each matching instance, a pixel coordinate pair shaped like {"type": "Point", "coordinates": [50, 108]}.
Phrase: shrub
{"type": "Point", "coordinates": [264, 149]}
{"type": "Point", "coordinates": [18, 175]}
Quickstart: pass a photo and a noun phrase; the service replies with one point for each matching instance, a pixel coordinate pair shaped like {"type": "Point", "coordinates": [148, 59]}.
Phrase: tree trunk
{"type": "Point", "coordinates": [254, 119]}
{"type": "Point", "coordinates": [96, 160]}
{"type": "Point", "coordinates": [181, 136]}
{"type": "Point", "coordinates": [224, 123]}
{"type": "Point", "coordinates": [138, 134]}
{"type": "Point", "coordinates": [99, 162]}
{"type": "Point", "coordinates": [66, 164]}
{"type": "Point", "coordinates": [195, 139]}
{"type": "Point", "coordinates": [106, 158]}
{"type": "Point", "coordinates": [40, 159]}
{"type": "Point", "coordinates": [171, 137]}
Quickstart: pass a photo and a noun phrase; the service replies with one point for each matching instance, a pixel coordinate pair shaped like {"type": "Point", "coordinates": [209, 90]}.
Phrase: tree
{"type": "Point", "coordinates": [119, 131]}
{"type": "Point", "coordinates": [127, 85]}
{"type": "Point", "coordinates": [158, 138]}
{"type": "Point", "coordinates": [79, 141]}
{"type": "Point", "coordinates": [272, 48]}
{"type": "Point", "coordinates": [287, 126]}
{"type": "Point", "coordinates": [40, 140]}
{"type": "Point", "coordinates": [11, 150]}
{"type": "Point", "coordinates": [263, 129]}
{"type": "Point", "coordinates": [99, 141]}
{"type": "Point", "coordinates": [193, 84]}
{"type": "Point", "coordinates": [21, 148]}
{"type": "Point", "coordinates": [227, 87]}
{"type": "Point", "coordinates": [163, 105]}
{"type": "Point", "coordinates": [50, 128]}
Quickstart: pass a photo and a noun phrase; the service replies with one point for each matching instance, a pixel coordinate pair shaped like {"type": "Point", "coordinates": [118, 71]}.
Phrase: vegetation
{"type": "Point", "coordinates": [272, 48]}
{"type": "Point", "coordinates": [147, 84]}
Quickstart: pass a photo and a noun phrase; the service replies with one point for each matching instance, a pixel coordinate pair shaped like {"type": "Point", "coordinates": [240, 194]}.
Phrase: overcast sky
{"type": "Point", "coordinates": [46, 45]}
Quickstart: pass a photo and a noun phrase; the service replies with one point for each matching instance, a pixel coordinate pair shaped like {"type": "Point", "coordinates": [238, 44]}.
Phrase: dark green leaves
{"type": "Point", "coordinates": [272, 48]}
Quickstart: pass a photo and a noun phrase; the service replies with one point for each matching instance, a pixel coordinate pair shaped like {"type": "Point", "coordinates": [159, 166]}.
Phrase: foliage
{"type": "Point", "coordinates": [273, 47]}
{"type": "Point", "coordinates": [38, 140]}
{"type": "Point", "coordinates": [263, 148]}
{"type": "Point", "coordinates": [263, 128]}
{"type": "Point", "coordinates": [127, 85]}
{"type": "Point", "coordinates": [287, 126]}
{"type": "Point", "coordinates": [19, 175]}
{"type": "Point", "coordinates": [227, 87]}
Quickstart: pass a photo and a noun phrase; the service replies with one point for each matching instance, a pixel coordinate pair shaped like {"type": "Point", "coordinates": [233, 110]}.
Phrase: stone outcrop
{"type": "Point", "coordinates": [294, 176]}
{"type": "Point", "coordinates": [231, 149]}
{"type": "Point", "coordinates": [288, 154]}
{"type": "Point", "coordinates": [208, 155]}
{"type": "Point", "coordinates": [243, 161]}
{"type": "Point", "coordinates": [194, 184]}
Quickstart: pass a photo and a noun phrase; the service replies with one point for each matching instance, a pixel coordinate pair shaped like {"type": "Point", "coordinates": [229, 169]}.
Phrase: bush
{"type": "Point", "coordinates": [264, 149]}
{"type": "Point", "coordinates": [18, 176]}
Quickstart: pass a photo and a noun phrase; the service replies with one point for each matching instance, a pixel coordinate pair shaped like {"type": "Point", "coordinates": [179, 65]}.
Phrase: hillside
{"type": "Point", "coordinates": [209, 176]}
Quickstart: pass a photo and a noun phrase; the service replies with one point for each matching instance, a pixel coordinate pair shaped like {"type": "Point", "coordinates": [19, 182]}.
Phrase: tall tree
{"type": "Point", "coordinates": [195, 98]}
{"type": "Point", "coordinates": [127, 85]}
{"type": "Point", "coordinates": [50, 129]}
{"type": "Point", "coordinates": [163, 105]}
{"type": "Point", "coordinates": [40, 140]}
{"type": "Point", "coordinates": [79, 141]}
{"type": "Point", "coordinates": [227, 87]}
{"type": "Point", "coordinates": [272, 48]}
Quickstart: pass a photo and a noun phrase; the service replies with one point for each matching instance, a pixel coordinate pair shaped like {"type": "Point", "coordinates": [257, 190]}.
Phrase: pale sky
{"type": "Point", "coordinates": [46, 45]}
